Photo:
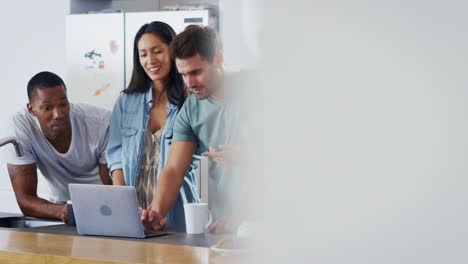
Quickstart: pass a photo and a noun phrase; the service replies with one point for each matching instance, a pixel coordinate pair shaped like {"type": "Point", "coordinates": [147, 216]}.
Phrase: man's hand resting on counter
{"type": "Point", "coordinates": [152, 220]}
{"type": "Point", "coordinates": [63, 214]}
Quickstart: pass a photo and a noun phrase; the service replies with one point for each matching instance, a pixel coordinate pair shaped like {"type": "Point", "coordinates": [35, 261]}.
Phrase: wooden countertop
{"type": "Point", "coordinates": [31, 247]}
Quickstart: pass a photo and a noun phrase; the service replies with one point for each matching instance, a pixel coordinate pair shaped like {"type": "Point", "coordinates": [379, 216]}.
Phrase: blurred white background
{"type": "Point", "coordinates": [365, 132]}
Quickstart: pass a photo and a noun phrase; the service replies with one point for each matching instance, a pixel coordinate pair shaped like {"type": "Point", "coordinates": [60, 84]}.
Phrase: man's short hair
{"type": "Point", "coordinates": [44, 80]}
{"type": "Point", "coordinates": [196, 39]}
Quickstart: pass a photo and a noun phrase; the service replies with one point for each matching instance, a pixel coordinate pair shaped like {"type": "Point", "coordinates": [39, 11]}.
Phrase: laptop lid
{"type": "Point", "coordinates": [106, 210]}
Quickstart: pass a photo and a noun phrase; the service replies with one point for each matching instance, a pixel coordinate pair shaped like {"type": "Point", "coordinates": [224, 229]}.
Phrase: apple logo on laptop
{"type": "Point", "coordinates": [105, 210]}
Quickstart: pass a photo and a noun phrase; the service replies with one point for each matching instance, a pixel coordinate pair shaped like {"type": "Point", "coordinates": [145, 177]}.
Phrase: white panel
{"type": "Point", "coordinates": [95, 58]}
{"type": "Point", "coordinates": [176, 19]}
{"type": "Point", "coordinates": [202, 174]}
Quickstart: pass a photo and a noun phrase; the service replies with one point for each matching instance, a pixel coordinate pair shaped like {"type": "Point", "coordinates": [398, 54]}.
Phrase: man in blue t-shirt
{"type": "Point", "coordinates": [205, 122]}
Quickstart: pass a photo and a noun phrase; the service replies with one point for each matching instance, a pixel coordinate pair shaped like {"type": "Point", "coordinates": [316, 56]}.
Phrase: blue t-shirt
{"type": "Point", "coordinates": [210, 123]}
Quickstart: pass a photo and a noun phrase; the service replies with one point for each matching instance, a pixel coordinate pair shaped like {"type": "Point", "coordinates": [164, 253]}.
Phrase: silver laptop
{"type": "Point", "coordinates": [107, 210]}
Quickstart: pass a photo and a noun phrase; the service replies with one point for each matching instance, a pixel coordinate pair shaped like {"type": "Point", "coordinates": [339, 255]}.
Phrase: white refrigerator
{"type": "Point", "coordinates": [99, 50]}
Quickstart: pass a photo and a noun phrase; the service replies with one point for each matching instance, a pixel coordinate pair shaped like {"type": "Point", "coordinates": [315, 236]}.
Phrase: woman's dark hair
{"type": "Point", "coordinates": [140, 81]}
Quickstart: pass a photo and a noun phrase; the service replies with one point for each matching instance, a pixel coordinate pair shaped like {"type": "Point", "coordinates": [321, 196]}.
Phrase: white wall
{"type": "Point", "coordinates": [33, 40]}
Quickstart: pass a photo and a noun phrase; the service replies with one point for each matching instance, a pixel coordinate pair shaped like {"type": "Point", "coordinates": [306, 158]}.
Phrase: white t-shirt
{"type": "Point", "coordinates": [90, 129]}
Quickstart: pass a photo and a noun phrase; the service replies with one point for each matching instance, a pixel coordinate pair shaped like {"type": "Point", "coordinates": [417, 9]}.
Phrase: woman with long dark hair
{"type": "Point", "coordinates": [142, 120]}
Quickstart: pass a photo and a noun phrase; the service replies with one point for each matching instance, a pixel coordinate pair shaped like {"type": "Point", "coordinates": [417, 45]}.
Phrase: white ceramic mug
{"type": "Point", "coordinates": [197, 218]}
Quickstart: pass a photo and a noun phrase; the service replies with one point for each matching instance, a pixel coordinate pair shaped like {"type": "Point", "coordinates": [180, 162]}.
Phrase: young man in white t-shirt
{"type": "Point", "coordinates": [66, 142]}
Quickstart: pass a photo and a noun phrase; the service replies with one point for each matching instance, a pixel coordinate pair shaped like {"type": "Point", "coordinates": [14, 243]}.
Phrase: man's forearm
{"type": "Point", "coordinates": [104, 174]}
{"type": "Point", "coordinates": [40, 208]}
{"type": "Point", "coordinates": [166, 193]}
{"type": "Point", "coordinates": [118, 177]}
{"type": "Point", "coordinates": [172, 176]}
{"type": "Point", "coordinates": [24, 181]}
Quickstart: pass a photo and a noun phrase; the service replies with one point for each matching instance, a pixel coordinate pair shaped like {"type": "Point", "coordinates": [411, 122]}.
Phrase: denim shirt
{"type": "Point", "coordinates": [128, 128]}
